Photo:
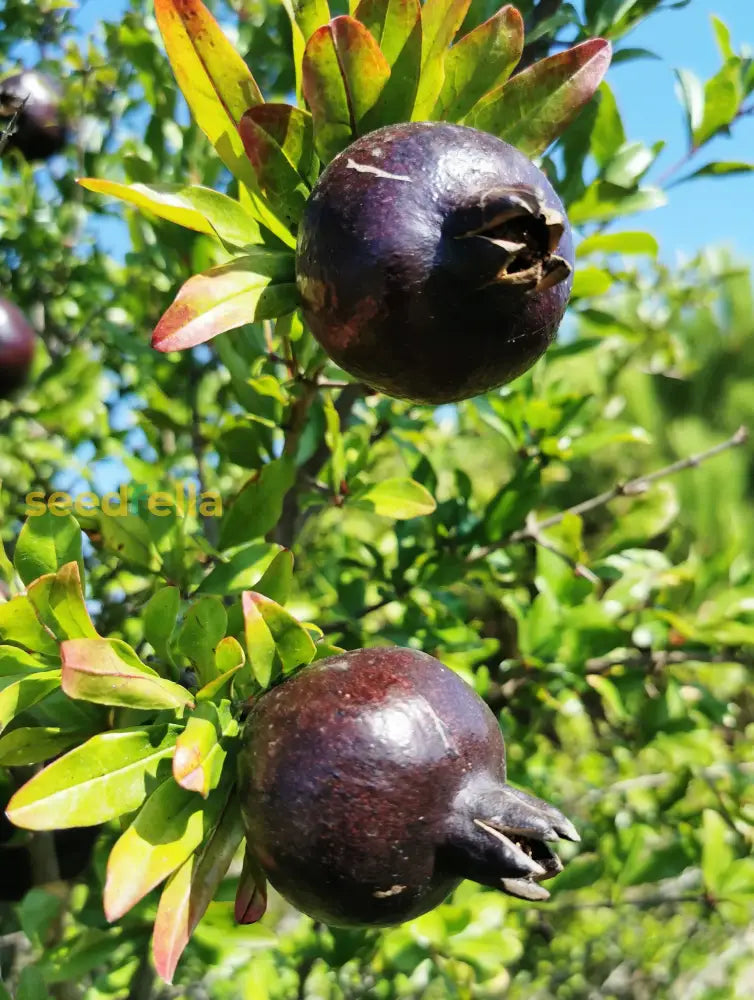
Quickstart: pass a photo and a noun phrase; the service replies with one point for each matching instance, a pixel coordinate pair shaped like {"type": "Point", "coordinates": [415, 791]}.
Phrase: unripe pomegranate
{"type": "Point", "coordinates": [40, 127]}
{"type": "Point", "coordinates": [373, 782]}
{"type": "Point", "coordinates": [17, 340]}
{"type": "Point", "coordinates": [434, 261]}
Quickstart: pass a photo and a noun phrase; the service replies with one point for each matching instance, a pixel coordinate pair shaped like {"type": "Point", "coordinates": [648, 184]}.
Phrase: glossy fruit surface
{"type": "Point", "coordinates": [434, 261]}
{"type": "Point", "coordinates": [373, 782]}
{"type": "Point", "coordinates": [17, 340]}
{"type": "Point", "coordinates": [40, 127]}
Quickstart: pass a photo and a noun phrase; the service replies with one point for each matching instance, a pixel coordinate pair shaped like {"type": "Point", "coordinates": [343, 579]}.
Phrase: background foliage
{"type": "Point", "coordinates": [615, 644]}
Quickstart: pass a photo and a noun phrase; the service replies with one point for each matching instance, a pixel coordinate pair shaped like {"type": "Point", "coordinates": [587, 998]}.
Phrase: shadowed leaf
{"type": "Point", "coordinates": [293, 644]}
{"type": "Point", "coordinates": [532, 109]}
{"type": "Point", "coordinates": [25, 692]}
{"type": "Point", "coordinates": [100, 780]}
{"type": "Point", "coordinates": [479, 62]}
{"type": "Point", "coordinates": [108, 672]}
{"type": "Point", "coordinates": [256, 509]}
{"type": "Point", "coordinates": [277, 579]}
{"type": "Point", "coordinates": [34, 744]}
{"type": "Point", "coordinates": [251, 895]}
{"type": "Point", "coordinates": [203, 628]}
{"type": "Point", "coordinates": [293, 131]}
{"type": "Point", "coordinates": [197, 208]}
{"type": "Point", "coordinates": [19, 624]}
{"type": "Point", "coordinates": [241, 570]}
{"type": "Point", "coordinates": [190, 890]}
{"type": "Point", "coordinates": [251, 288]}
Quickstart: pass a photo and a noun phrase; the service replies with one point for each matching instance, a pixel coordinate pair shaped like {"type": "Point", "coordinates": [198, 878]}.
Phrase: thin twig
{"type": "Point", "coordinates": [9, 130]}
{"type": "Point", "coordinates": [630, 488]}
{"type": "Point", "coordinates": [659, 659]}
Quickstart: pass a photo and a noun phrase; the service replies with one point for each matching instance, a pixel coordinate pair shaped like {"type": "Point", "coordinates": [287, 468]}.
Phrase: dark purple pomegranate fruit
{"type": "Point", "coordinates": [40, 127]}
{"type": "Point", "coordinates": [17, 339]}
{"type": "Point", "coordinates": [372, 783]}
{"type": "Point", "coordinates": [434, 261]}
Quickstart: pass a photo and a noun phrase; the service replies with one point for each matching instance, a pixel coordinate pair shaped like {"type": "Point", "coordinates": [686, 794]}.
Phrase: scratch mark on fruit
{"type": "Point", "coordinates": [369, 168]}
{"type": "Point", "coordinates": [394, 890]}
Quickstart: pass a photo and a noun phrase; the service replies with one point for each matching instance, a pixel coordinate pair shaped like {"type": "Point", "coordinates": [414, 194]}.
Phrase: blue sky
{"type": "Point", "coordinates": [700, 213]}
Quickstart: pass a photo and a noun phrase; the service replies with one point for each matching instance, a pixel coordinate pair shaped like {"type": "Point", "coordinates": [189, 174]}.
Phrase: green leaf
{"type": "Point", "coordinates": [723, 94]}
{"type": "Point", "coordinates": [508, 509]}
{"type": "Point", "coordinates": [159, 618]}
{"type": "Point", "coordinates": [602, 201]}
{"type": "Point", "coordinates": [723, 37]}
{"type": "Point", "coordinates": [191, 206]}
{"type": "Point", "coordinates": [334, 442]}
{"type": "Point", "coordinates": [59, 603]}
{"type": "Point", "coordinates": [277, 579]}
{"type": "Point", "coordinates": [199, 753]}
{"type": "Point", "coordinates": [441, 20]}
{"type": "Point", "coordinates": [691, 95]}
{"type": "Point", "coordinates": [102, 779]}
{"type": "Point", "coordinates": [127, 536]}
{"type": "Point", "coordinates": [19, 624]}
{"type": "Point", "coordinates": [191, 888]}
{"type": "Point", "coordinates": [272, 634]}
{"type": "Point", "coordinates": [260, 645]}
{"type": "Point", "coordinates": [608, 134]}
{"type": "Point", "coordinates": [170, 825]}
{"type": "Point", "coordinates": [37, 912]}
{"type": "Point", "coordinates": [397, 498]}
{"type": "Point", "coordinates": [23, 693]}
{"type": "Point", "coordinates": [31, 985]}
{"type": "Point", "coordinates": [479, 62]}
{"type": "Point", "coordinates": [532, 109]}
{"type": "Point", "coordinates": [630, 163]}
{"type": "Point", "coordinates": [203, 628]}
{"type": "Point", "coordinates": [717, 856]}
{"type": "Point", "coordinates": [620, 243]}
{"type": "Point", "coordinates": [257, 508]}
{"type": "Point", "coordinates": [251, 288]}
{"type": "Point", "coordinates": [278, 178]}
{"type": "Point", "coordinates": [642, 518]}
{"type": "Point", "coordinates": [218, 87]}
{"type": "Point", "coordinates": [591, 281]}
{"type": "Point", "coordinates": [344, 73]}
{"type": "Point", "coordinates": [46, 543]}
{"type": "Point", "coordinates": [396, 27]}
{"type": "Point", "coordinates": [35, 744]}
{"type": "Point", "coordinates": [309, 15]}
{"type": "Point", "coordinates": [717, 169]}
{"type": "Point", "coordinates": [108, 672]}
{"type": "Point", "coordinates": [241, 570]}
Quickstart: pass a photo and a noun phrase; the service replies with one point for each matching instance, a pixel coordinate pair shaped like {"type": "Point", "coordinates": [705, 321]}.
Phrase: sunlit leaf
{"type": "Point", "coordinates": [197, 208]}
{"type": "Point", "coordinates": [441, 20]}
{"type": "Point", "coordinates": [102, 779]}
{"type": "Point", "coordinates": [191, 888]}
{"type": "Point", "coordinates": [344, 72]}
{"type": "Point", "coordinates": [718, 169]}
{"type": "Point", "coordinates": [619, 243]}
{"type": "Point", "coordinates": [19, 624]}
{"type": "Point", "coordinates": [46, 543]}
{"type": "Point", "coordinates": [171, 824]}
{"type": "Point", "coordinates": [199, 753]}
{"type": "Point", "coordinates": [480, 62]}
{"type": "Point", "coordinates": [218, 87]}
{"type": "Point", "coordinates": [32, 745]}
{"type": "Point", "coordinates": [248, 289]}
{"type": "Point", "coordinates": [396, 27]}
{"type": "Point", "coordinates": [534, 107]}
{"type": "Point", "coordinates": [59, 602]}
{"type": "Point", "coordinates": [397, 498]}
{"type": "Point", "coordinates": [241, 570]}
{"type": "Point", "coordinates": [108, 672]}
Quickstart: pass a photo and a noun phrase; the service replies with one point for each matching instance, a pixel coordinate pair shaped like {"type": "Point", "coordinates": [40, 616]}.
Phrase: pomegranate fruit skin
{"type": "Point", "coordinates": [40, 129]}
{"type": "Point", "coordinates": [401, 283]}
{"type": "Point", "coordinates": [359, 781]}
{"type": "Point", "coordinates": [17, 341]}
